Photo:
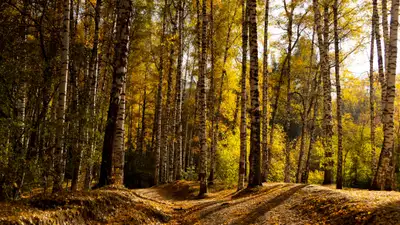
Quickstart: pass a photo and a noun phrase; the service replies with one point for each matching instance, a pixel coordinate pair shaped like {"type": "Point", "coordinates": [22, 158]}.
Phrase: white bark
{"type": "Point", "coordinates": [59, 167]}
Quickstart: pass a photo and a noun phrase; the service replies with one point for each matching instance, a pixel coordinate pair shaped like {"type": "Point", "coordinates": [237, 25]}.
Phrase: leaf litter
{"type": "Point", "coordinates": [177, 203]}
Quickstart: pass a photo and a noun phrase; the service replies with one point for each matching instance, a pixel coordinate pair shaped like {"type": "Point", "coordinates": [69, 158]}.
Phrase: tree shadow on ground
{"type": "Point", "coordinates": [178, 191]}
{"type": "Point", "coordinates": [328, 206]}
{"type": "Point", "coordinates": [257, 191]}
{"type": "Point", "coordinates": [206, 210]}
{"type": "Point", "coordinates": [386, 214]}
{"type": "Point", "coordinates": [236, 201]}
{"type": "Point", "coordinates": [227, 203]}
{"type": "Point", "coordinates": [267, 206]}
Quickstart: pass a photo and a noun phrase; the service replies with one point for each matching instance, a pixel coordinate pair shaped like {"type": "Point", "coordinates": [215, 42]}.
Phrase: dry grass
{"type": "Point", "coordinates": [177, 203]}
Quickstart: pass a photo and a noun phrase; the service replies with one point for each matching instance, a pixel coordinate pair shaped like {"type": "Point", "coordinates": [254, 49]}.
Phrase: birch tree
{"type": "Point", "coordinates": [255, 137]}
{"type": "Point", "coordinates": [214, 118]}
{"type": "Point", "coordinates": [124, 8]}
{"type": "Point", "coordinates": [371, 82]}
{"type": "Point", "coordinates": [289, 9]}
{"type": "Point", "coordinates": [203, 105]}
{"type": "Point", "coordinates": [62, 93]}
{"type": "Point", "coordinates": [93, 75]}
{"type": "Point", "coordinates": [178, 95]}
{"type": "Point", "coordinates": [159, 173]}
{"type": "Point", "coordinates": [119, 145]}
{"type": "Point", "coordinates": [323, 45]}
{"type": "Point", "coordinates": [265, 160]}
{"type": "Point", "coordinates": [339, 174]}
{"type": "Point", "coordinates": [243, 99]}
{"type": "Point", "coordinates": [384, 174]}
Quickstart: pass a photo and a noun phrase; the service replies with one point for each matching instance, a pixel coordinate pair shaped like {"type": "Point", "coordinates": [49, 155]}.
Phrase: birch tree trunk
{"type": "Point", "coordinates": [74, 124]}
{"type": "Point", "coordinates": [178, 96]}
{"type": "Point", "coordinates": [316, 88]}
{"type": "Point", "coordinates": [159, 169]}
{"type": "Point", "coordinates": [185, 117]}
{"type": "Point", "coordinates": [385, 28]}
{"type": "Point", "coordinates": [265, 160]}
{"type": "Point", "coordinates": [59, 161]}
{"type": "Point", "coordinates": [327, 122]}
{"type": "Point", "coordinates": [381, 67]}
{"type": "Point", "coordinates": [124, 8]}
{"type": "Point", "coordinates": [255, 148]}
{"type": "Point", "coordinates": [189, 139]}
{"type": "Point", "coordinates": [203, 105]}
{"type": "Point", "coordinates": [214, 115]}
{"type": "Point", "coordinates": [243, 99]}
{"type": "Point", "coordinates": [339, 174]}
{"type": "Point", "coordinates": [142, 143]}
{"type": "Point", "coordinates": [307, 102]}
{"type": "Point", "coordinates": [119, 145]}
{"type": "Point", "coordinates": [93, 64]}
{"type": "Point", "coordinates": [383, 177]}
{"type": "Point", "coordinates": [289, 14]}
{"type": "Point", "coordinates": [371, 82]}
{"type": "Point", "coordinates": [167, 128]}
{"type": "Point", "coordinates": [172, 126]}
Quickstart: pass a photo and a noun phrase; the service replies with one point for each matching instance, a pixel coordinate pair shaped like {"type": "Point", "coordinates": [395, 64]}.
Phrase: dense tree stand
{"type": "Point", "coordinates": [170, 93]}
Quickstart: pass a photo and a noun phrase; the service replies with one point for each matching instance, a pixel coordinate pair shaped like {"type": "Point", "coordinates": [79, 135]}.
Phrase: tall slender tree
{"type": "Point", "coordinates": [371, 83]}
{"type": "Point", "coordinates": [328, 167]}
{"type": "Point", "coordinates": [93, 75]}
{"type": "Point", "coordinates": [385, 28]}
{"type": "Point", "coordinates": [382, 65]}
{"type": "Point", "coordinates": [119, 145]}
{"type": "Point", "coordinates": [255, 137]}
{"type": "Point", "coordinates": [203, 105]}
{"type": "Point", "coordinates": [383, 176]}
{"type": "Point", "coordinates": [313, 126]}
{"type": "Point", "coordinates": [178, 95]}
{"type": "Point", "coordinates": [289, 9]}
{"type": "Point", "coordinates": [124, 8]}
{"type": "Point", "coordinates": [323, 45]}
{"type": "Point", "coordinates": [159, 167]}
{"type": "Point", "coordinates": [214, 118]}
{"type": "Point", "coordinates": [339, 174]}
{"type": "Point", "coordinates": [59, 164]}
{"type": "Point", "coordinates": [172, 126]}
{"type": "Point", "coordinates": [265, 97]}
{"type": "Point", "coordinates": [243, 99]}
{"type": "Point", "coordinates": [143, 127]}
{"type": "Point", "coordinates": [308, 102]}
{"type": "Point", "coordinates": [76, 124]}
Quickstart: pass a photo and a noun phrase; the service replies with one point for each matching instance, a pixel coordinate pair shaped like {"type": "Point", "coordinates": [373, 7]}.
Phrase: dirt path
{"type": "Point", "coordinates": [176, 203]}
{"type": "Point", "coordinates": [276, 203]}
{"type": "Point", "coordinates": [261, 206]}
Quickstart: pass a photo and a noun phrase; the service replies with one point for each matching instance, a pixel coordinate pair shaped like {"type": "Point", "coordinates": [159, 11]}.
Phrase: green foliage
{"type": "Point", "coordinates": [190, 174]}
{"type": "Point", "coordinates": [278, 158]}
{"type": "Point", "coordinates": [227, 165]}
{"type": "Point", "coordinates": [316, 177]}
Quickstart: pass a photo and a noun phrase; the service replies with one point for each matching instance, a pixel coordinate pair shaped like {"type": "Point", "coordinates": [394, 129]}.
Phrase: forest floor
{"type": "Point", "coordinates": [273, 203]}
